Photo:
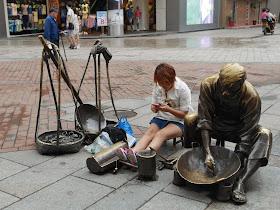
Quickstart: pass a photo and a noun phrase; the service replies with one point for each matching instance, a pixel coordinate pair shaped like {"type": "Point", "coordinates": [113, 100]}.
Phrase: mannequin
{"type": "Point", "coordinates": [85, 12]}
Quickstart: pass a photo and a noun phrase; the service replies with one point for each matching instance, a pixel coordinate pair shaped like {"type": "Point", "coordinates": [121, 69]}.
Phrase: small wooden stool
{"type": "Point", "coordinates": [177, 142]}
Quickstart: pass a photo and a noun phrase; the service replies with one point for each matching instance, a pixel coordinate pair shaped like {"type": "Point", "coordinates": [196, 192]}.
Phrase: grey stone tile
{"type": "Point", "coordinates": [43, 174]}
{"type": "Point", "coordinates": [130, 103]}
{"type": "Point", "coordinates": [112, 180]}
{"type": "Point", "coordinates": [168, 201]}
{"type": "Point", "coordinates": [274, 160]}
{"type": "Point", "coordinates": [135, 193]}
{"type": "Point", "coordinates": [142, 121]}
{"type": "Point", "coordinates": [265, 107]}
{"type": "Point", "coordinates": [190, 191]}
{"type": "Point", "coordinates": [274, 109]}
{"type": "Point", "coordinates": [68, 193]}
{"type": "Point", "coordinates": [262, 191]}
{"type": "Point", "coordinates": [270, 121]}
{"type": "Point", "coordinates": [270, 98]}
{"type": "Point", "coordinates": [27, 158]}
{"type": "Point", "coordinates": [275, 150]}
{"type": "Point", "coordinates": [6, 200]}
{"type": "Point", "coordinates": [9, 168]}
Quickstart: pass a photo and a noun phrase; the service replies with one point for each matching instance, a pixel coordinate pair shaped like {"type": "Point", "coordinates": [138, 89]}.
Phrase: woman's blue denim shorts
{"type": "Point", "coordinates": [162, 123]}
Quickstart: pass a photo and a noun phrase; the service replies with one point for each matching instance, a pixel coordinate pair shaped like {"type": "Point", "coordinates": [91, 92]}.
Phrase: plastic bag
{"type": "Point", "coordinates": [101, 142]}
{"type": "Point", "coordinates": [124, 124]}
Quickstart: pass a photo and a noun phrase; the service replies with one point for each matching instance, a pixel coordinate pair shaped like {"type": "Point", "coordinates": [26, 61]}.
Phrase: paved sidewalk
{"type": "Point", "coordinates": [29, 180]}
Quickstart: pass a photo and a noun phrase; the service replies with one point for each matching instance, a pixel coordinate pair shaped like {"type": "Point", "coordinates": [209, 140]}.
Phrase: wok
{"type": "Point", "coordinates": [190, 165]}
{"type": "Point", "coordinates": [87, 116]}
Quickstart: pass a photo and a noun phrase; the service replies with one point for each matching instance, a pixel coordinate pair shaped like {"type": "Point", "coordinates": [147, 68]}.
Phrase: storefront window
{"type": "Point", "coordinates": [26, 16]}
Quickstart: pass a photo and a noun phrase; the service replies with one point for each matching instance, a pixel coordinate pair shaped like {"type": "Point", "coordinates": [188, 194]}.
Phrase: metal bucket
{"type": "Point", "coordinates": [146, 165]}
{"type": "Point", "coordinates": [190, 165]}
{"type": "Point", "coordinates": [87, 116]}
{"type": "Point", "coordinates": [224, 191]}
{"type": "Point", "coordinates": [69, 142]}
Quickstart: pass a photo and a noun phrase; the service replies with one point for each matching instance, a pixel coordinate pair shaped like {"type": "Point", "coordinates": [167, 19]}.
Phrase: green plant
{"type": "Point", "coordinates": [254, 5]}
{"type": "Point", "coordinates": [229, 18]}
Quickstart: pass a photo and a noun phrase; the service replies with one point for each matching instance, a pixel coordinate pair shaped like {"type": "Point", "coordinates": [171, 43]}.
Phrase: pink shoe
{"type": "Point", "coordinates": [122, 154]}
{"type": "Point", "coordinates": [132, 156]}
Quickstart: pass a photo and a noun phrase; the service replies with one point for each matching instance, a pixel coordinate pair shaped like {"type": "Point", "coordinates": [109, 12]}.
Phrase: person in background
{"type": "Point", "coordinates": [171, 101]}
{"type": "Point", "coordinates": [70, 21]}
{"type": "Point", "coordinates": [51, 30]}
{"type": "Point", "coordinates": [271, 19]}
{"type": "Point", "coordinates": [77, 28]}
{"type": "Point", "coordinates": [264, 18]}
{"type": "Point", "coordinates": [130, 15]}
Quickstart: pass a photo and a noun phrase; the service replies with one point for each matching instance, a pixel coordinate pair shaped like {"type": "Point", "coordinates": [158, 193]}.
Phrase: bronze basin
{"type": "Point", "coordinates": [190, 165]}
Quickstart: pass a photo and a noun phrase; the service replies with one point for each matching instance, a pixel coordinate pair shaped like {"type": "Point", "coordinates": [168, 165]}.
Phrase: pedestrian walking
{"type": "Point", "coordinates": [51, 29]}
{"type": "Point", "coordinates": [77, 29]}
{"type": "Point", "coordinates": [70, 25]}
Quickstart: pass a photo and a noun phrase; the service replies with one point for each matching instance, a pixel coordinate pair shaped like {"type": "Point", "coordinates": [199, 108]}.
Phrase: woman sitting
{"type": "Point", "coordinates": [171, 100]}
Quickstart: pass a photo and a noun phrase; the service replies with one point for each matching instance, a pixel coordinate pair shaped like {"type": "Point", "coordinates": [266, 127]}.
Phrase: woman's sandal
{"type": "Point", "coordinates": [132, 156]}
{"type": "Point", "coordinates": [238, 194]}
{"type": "Point", "coordinates": [122, 154]}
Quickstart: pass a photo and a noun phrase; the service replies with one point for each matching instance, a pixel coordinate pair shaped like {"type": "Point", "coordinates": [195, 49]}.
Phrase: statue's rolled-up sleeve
{"type": "Point", "coordinates": [206, 106]}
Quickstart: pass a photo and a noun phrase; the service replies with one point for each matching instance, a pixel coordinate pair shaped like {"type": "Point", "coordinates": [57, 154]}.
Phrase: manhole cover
{"type": "Point", "coordinates": [111, 114]}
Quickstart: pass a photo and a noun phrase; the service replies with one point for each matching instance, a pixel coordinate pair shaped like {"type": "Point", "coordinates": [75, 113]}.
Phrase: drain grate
{"type": "Point", "coordinates": [111, 114]}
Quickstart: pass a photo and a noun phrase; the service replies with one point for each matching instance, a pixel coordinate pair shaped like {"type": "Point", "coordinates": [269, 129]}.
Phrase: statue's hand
{"type": "Point", "coordinates": [210, 163]}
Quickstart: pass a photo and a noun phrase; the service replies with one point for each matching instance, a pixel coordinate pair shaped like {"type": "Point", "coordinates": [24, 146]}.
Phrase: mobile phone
{"type": "Point", "coordinates": [156, 105]}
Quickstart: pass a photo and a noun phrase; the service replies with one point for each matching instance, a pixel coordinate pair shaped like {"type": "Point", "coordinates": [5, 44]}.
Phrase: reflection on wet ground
{"type": "Point", "coordinates": [187, 40]}
{"type": "Point", "coordinates": [214, 46]}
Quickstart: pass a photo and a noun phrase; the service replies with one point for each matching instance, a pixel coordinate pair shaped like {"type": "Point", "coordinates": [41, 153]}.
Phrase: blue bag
{"type": "Point", "coordinates": [124, 124]}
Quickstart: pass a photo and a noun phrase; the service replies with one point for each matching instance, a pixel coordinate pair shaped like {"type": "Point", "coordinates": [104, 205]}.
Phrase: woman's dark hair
{"type": "Point", "coordinates": [264, 9]}
{"type": "Point", "coordinates": [69, 4]}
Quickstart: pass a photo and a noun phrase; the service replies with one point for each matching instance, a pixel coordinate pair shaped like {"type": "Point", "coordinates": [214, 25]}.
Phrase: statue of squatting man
{"type": "Point", "coordinates": [229, 109]}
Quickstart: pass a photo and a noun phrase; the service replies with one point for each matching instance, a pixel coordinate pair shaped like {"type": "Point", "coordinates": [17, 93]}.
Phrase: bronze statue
{"type": "Point", "coordinates": [229, 109]}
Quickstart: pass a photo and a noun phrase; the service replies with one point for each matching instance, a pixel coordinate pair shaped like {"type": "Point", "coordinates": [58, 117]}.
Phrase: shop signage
{"type": "Point", "coordinates": [52, 4]}
{"type": "Point", "coordinates": [102, 18]}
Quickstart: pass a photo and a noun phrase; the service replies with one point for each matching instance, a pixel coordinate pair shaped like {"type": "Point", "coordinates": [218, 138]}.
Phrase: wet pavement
{"type": "Point", "coordinates": [214, 46]}
{"type": "Point", "coordinates": [30, 181]}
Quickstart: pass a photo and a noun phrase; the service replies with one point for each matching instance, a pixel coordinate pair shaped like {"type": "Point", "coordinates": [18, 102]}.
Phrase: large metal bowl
{"type": "Point", "coordinates": [190, 165]}
{"type": "Point", "coordinates": [87, 116]}
{"type": "Point", "coordinates": [47, 142]}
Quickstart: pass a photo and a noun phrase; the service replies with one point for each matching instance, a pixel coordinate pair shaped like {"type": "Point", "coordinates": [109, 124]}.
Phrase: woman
{"type": "Point", "coordinates": [171, 100]}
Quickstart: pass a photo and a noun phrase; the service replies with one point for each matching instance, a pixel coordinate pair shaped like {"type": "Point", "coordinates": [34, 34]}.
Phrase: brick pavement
{"type": "Point", "coordinates": [19, 93]}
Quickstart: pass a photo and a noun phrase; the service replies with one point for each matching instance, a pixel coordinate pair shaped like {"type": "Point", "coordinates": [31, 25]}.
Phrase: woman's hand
{"type": "Point", "coordinates": [165, 108]}
{"type": "Point", "coordinates": [154, 108]}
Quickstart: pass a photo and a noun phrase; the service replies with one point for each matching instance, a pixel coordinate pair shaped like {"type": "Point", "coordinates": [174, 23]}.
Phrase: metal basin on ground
{"type": "Point", "coordinates": [70, 141]}
{"type": "Point", "coordinates": [87, 115]}
{"type": "Point", "coordinates": [190, 165]}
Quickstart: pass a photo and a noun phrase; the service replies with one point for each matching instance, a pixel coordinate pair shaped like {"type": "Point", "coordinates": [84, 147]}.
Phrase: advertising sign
{"type": "Point", "coordinates": [52, 4]}
{"type": "Point", "coordinates": [200, 12]}
{"type": "Point", "coordinates": [101, 18]}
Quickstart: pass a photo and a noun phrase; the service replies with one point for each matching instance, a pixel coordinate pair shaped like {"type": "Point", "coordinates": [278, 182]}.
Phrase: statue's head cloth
{"type": "Point", "coordinates": [232, 73]}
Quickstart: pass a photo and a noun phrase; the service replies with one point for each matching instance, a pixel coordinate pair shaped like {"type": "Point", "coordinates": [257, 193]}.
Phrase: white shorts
{"type": "Point", "coordinates": [71, 33]}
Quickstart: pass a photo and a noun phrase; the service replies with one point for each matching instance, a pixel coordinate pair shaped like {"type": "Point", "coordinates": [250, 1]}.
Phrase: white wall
{"type": "Point", "coordinates": [161, 15]}
{"type": "Point", "coordinates": [274, 6]}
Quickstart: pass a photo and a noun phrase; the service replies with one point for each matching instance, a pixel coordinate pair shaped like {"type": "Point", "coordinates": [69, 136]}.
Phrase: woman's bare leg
{"type": "Point", "coordinates": [169, 132]}
{"type": "Point", "coordinates": [147, 138]}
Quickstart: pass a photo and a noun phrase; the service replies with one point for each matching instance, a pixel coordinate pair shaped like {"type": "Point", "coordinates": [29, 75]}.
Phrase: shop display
{"type": "Point", "coordinates": [26, 16]}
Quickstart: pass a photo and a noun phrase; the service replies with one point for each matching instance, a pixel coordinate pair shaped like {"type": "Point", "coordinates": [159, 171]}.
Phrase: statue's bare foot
{"type": "Point", "coordinates": [238, 194]}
